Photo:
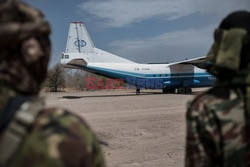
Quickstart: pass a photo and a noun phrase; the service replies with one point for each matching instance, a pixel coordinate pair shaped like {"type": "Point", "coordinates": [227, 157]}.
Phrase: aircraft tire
{"type": "Point", "coordinates": [188, 90]}
{"type": "Point", "coordinates": [164, 90]}
{"type": "Point", "coordinates": [171, 90]}
{"type": "Point", "coordinates": [184, 90]}
{"type": "Point", "coordinates": [181, 90]}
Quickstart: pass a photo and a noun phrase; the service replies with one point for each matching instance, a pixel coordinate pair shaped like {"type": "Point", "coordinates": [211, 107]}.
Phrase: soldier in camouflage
{"type": "Point", "coordinates": [218, 121]}
{"type": "Point", "coordinates": [30, 134]}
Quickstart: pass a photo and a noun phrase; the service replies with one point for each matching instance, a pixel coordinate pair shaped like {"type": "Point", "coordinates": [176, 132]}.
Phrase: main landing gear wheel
{"type": "Point", "coordinates": [184, 90]}
{"type": "Point", "coordinates": [188, 90]}
{"type": "Point", "coordinates": [171, 90]}
{"type": "Point", "coordinates": [164, 90]}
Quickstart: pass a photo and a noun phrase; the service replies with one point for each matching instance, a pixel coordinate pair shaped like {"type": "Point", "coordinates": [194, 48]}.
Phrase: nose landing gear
{"type": "Point", "coordinates": [137, 91]}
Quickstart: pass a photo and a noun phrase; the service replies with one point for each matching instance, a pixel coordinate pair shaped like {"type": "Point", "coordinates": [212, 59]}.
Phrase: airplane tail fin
{"type": "Point", "coordinates": [78, 40]}
{"type": "Point", "coordinates": [80, 50]}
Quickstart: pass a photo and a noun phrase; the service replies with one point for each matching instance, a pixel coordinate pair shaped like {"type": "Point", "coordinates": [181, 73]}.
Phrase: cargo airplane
{"type": "Point", "coordinates": [178, 77]}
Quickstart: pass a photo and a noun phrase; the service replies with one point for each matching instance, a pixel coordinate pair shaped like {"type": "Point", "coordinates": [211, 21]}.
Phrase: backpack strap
{"type": "Point", "coordinates": [21, 112]}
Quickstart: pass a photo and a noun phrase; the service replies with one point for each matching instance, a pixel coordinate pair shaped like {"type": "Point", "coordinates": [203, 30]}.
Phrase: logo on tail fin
{"type": "Point", "coordinates": [80, 43]}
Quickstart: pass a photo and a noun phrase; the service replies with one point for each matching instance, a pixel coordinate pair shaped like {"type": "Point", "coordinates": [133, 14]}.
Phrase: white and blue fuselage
{"type": "Point", "coordinates": [160, 74]}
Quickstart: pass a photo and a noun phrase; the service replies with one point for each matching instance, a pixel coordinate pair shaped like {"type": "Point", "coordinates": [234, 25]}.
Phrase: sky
{"type": "Point", "coordinates": [143, 31]}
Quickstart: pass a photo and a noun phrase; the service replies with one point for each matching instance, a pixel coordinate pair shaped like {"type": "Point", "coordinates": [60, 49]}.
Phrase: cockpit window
{"type": "Point", "coordinates": [65, 56]}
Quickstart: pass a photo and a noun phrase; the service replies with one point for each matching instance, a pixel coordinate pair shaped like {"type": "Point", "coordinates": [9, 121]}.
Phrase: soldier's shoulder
{"type": "Point", "coordinates": [64, 123]}
{"type": "Point", "coordinates": [62, 116]}
{"type": "Point", "coordinates": [211, 96]}
{"type": "Point", "coordinates": [62, 138]}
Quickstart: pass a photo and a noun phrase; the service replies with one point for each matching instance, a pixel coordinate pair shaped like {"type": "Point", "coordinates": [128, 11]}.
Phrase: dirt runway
{"type": "Point", "coordinates": [146, 130]}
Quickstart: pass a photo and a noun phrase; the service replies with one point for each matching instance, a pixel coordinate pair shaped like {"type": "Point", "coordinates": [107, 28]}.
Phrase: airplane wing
{"type": "Point", "coordinates": [200, 62]}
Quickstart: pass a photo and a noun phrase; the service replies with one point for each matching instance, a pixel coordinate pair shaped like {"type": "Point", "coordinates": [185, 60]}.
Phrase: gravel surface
{"type": "Point", "coordinates": [147, 130]}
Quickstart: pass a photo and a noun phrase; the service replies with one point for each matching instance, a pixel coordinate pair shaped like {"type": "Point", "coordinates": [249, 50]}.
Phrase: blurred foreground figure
{"type": "Point", "coordinates": [218, 121]}
{"type": "Point", "coordinates": [31, 135]}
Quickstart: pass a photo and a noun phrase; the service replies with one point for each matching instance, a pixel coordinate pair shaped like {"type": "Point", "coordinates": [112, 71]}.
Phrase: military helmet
{"type": "Point", "coordinates": [230, 51]}
{"type": "Point", "coordinates": [24, 46]}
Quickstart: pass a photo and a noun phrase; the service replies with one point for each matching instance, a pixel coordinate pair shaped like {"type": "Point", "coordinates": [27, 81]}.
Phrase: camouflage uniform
{"type": "Point", "coordinates": [55, 138]}
{"type": "Point", "coordinates": [218, 121]}
{"type": "Point", "coordinates": [35, 135]}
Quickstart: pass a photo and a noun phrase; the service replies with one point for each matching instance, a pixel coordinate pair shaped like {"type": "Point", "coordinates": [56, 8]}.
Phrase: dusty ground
{"type": "Point", "coordinates": [146, 130]}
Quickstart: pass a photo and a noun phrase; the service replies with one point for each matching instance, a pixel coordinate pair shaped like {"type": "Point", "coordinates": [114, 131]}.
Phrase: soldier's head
{"type": "Point", "coordinates": [24, 46]}
{"type": "Point", "coordinates": [238, 19]}
{"type": "Point", "coordinates": [231, 49]}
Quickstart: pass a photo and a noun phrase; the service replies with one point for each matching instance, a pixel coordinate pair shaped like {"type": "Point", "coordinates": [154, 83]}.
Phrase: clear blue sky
{"type": "Point", "coordinates": [140, 30]}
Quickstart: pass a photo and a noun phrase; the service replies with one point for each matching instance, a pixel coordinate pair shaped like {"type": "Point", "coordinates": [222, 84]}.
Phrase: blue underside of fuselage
{"type": "Point", "coordinates": [156, 81]}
